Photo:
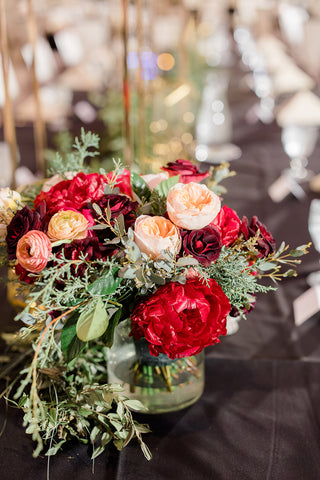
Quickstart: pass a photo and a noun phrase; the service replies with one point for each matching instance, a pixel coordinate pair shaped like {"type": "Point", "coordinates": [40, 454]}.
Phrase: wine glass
{"type": "Point", "coordinates": [299, 142]}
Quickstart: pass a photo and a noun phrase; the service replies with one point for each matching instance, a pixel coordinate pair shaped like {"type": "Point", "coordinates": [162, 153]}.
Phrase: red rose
{"type": "Point", "coordinates": [123, 182]}
{"type": "Point", "coordinates": [187, 171]}
{"type": "Point", "coordinates": [73, 193]}
{"type": "Point", "coordinates": [266, 242]}
{"type": "Point", "coordinates": [180, 320]}
{"type": "Point", "coordinates": [228, 223]}
{"type": "Point", "coordinates": [203, 244]}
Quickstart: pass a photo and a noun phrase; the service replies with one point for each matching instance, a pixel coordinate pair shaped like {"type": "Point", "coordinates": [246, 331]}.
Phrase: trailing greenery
{"type": "Point", "coordinates": [61, 402]}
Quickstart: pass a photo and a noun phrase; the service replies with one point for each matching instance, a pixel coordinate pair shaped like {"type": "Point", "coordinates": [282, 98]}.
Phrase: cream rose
{"type": "Point", "coordinates": [192, 206]}
{"type": "Point", "coordinates": [9, 204]}
{"type": "Point", "coordinates": [67, 225]}
{"type": "Point", "coordinates": [154, 234]}
{"type": "Point", "coordinates": [33, 251]}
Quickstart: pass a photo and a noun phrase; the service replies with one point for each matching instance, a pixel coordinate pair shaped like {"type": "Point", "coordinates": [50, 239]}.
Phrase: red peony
{"type": "Point", "coordinates": [266, 242]}
{"type": "Point", "coordinates": [203, 244]}
{"type": "Point", "coordinates": [180, 320]}
{"type": "Point", "coordinates": [229, 224]}
{"type": "Point", "coordinates": [73, 194]}
{"type": "Point", "coordinates": [187, 170]}
{"type": "Point", "coordinates": [123, 182]}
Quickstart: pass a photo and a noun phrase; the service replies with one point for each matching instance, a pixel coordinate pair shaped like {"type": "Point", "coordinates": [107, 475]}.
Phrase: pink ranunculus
{"type": "Point", "coordinates": [228, 223]}
{"type": "Point", "coordinates": [33, 251]}
{"type": "Point", "coordinates": [192, 206]}
{"type": "Point", "coordinates": [155, 234]}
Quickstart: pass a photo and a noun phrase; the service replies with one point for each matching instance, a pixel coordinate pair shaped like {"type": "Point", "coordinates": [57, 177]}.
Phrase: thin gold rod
{"type": "Point", "coordinates": [127, 154]}
{"type": "Point", "coordinates": [40, 139]}
{"type": "Point", "coordinates": [9, 124]}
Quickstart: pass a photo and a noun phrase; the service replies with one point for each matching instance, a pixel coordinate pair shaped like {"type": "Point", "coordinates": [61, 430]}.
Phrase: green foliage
{"type": "Point", "coordinates": [71, 345]}
{"type": "Point", "coordinates": [83, 148]}
{"type": "Point", "coordinates": [163, 187]}
{"type": "Point", "coordinates": [62, 402]}
{"type": "Point", "coordinates": [140, 187]}
{"type": "Point", "coordinates": [93, 321]}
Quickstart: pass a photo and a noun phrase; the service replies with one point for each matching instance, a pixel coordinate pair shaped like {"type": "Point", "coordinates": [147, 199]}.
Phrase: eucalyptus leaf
{"type": "Point", "coordinates": [163, 187]}
{"type": "Point", "coordinates": [106, 284]}
{"type": "Point", "coordinates": [136, 405]}
{"type": "Point", "coordinates": [297, 252]}
{"type": "Point", "coordinates": [108, 336]}
{"type": "Point", "coordinates": [139, 186]}
{"type": "Point", "coordinates": [187, 261]}
{"type": "Point", "coordinates": [265, 267]}
{"type": "Point", "coordinates": [71, 345]}
{"type": "Point", "coordinates": [92, 322]}
{"type": "Point", "coordinates": [53, 450]}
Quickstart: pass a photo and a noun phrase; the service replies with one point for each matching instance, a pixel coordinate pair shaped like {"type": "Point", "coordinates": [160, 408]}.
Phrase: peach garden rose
{"type": "Point", "coordinates": [154, 234]}
{"type": "Point", "coordinates": [192, 206]}
{"type": "Point", "coordinates": [67, 225]}
{"type": "Point", "coordinates": [33, 251]}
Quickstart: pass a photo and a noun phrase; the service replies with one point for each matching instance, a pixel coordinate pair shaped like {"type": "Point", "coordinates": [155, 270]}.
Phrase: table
{"type": "Point", "coordinates": [259, 416]}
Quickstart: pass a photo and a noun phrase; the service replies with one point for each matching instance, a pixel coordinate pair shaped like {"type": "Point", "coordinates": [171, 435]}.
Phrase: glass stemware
{"type": "Point", "coordinates": [299, 142]}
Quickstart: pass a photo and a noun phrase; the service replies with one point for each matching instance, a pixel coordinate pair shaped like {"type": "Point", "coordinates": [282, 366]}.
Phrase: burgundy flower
{"type": "Point", "coordinates": [266, 243]}
{"type": "Point", "coordinates": [180, 320]}
{"type": "Point", "coordinates": [228, 224]}
{"type": "Point", "coordinates": [24, 221]}
{"type": "Point", "coordinates": [118, 204]}
{"type": "Point", "coordinates": [204, 244]}
{"type": "Point", "coordinates": [87, 247]}
{"type": "Point", "coordinates": [188, 171]}
{"type": "Point", "coordinates": [24, 275]}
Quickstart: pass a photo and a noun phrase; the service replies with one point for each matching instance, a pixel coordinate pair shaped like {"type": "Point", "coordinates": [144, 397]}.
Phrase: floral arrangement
{"type": "Point", "coordinates": [93, 249]}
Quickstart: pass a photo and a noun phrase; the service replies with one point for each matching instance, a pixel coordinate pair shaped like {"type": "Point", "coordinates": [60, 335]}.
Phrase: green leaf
{"type": "Point", "coordinates": [55, 449]}
{"type": "Point", "coordinates": [95, 432]}
{"type": "Point", "coordinates": [265, 267]}
{"type": "Point", "coordinates": [92, 323]}
{"type": "Point", "coordinates": [136, 405]}
{"type": "Point", "coordinates": [108, 336]}
{"type": "Point", "coordinates": [71, 345]}
{"type": "Point", "coordinates": [290, 273]}
{"type": "Point", "coordinates": [106, 284]}
{"type": "Point", "coordinates": [163, 187]}
{"type": "Point", "coordinates": [297, 252]}
{"type": "Point", "coordinates": [139, 186]}
{"type": "Point", "coordinates": [186, 261]}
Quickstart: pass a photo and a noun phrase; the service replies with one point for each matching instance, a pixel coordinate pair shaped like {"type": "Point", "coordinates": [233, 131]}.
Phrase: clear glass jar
{"type": "Point", "coordinates": [161, 384]}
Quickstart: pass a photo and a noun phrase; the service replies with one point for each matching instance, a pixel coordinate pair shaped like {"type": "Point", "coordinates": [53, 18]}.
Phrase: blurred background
{"type": "Point", "coordinates": [157, 81]}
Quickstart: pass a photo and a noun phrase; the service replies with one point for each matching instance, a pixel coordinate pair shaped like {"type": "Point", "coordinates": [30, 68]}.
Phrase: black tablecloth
{"type": "Point", "coordinates": [260, 412]}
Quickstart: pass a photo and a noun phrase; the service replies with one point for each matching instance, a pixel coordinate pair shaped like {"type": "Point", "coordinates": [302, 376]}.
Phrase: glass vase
{"type": "Point", "coordinates": [161, 384]}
